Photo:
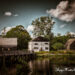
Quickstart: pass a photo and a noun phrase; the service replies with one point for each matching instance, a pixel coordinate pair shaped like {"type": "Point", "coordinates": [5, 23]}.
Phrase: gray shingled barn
{"type": "Point", "coordinates": [8, 43]}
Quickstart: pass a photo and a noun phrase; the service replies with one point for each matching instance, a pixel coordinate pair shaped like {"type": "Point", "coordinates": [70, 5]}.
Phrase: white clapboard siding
{"type": "Point", "coordinates": [38, 45]}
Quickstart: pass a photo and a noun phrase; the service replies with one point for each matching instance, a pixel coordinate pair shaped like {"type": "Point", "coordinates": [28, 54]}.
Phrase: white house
{"type": "Point", "coordinates": [39, 44]}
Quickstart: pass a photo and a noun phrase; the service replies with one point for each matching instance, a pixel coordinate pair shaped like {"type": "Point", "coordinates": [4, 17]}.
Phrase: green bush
{"type": "Point", "coordinates": [58, 46]}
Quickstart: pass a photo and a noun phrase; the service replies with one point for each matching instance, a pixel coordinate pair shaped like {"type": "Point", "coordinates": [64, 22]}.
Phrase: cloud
{"type": "Point", "coordinates": [8, 13]}
{"type": "Point", "coordinates": [16, 15]}
{"type": "Point", "coordinates": [72, 33]}
{"type": "Point", "coordinates": [63, 25]}
{"type": "Point", "coordinates": [7, 29]}
{"type": "Point", "coordinates": [30, 28]}
{"type": "Point", "coordinates": [64, 11]}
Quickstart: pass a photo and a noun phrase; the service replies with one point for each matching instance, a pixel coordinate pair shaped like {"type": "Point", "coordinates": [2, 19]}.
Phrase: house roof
{"type": "Point", "coordinates": [41, 39]}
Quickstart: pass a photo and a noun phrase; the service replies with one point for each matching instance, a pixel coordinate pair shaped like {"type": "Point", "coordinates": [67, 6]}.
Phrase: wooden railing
{"type": "Point", "coordinates": [14, 53]}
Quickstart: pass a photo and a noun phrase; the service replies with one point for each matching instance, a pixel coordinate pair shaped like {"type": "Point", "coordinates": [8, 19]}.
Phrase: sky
{"type": "Point", "coordinates": [23, 12]}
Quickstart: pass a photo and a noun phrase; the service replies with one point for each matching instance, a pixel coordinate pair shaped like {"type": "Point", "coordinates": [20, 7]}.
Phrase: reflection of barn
{"type": "Point", "coordinates": [8, 43]}
{"type": "Point", "coordinates": [70, 45]}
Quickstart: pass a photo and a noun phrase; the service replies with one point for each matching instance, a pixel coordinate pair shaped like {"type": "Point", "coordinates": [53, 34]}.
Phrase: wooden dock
{"type": "Point", "coordinates": [14, 56]}
{"type": "Point", "coordinates": [14, 53]}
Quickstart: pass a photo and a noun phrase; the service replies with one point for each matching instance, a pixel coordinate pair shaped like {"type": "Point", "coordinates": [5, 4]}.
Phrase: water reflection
{"type": "Point", "coordinates": [7, 71]}
{"type": "Point", "coordinates": [41, 67]}
{"type": "Point", "coordinates": [45, 67]}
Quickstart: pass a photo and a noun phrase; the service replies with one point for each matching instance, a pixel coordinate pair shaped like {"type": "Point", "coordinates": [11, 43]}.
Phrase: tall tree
{"type": "Point", "coordinates": [43, 26]}
{"type": "Point", "coordinates": [3, 31]}
{"type": "Point", "coordinates": [21, 34]}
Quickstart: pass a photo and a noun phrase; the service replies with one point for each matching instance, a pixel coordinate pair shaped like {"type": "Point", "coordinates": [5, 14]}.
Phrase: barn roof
{"type": "Point", "coordinates": [69, 42]}
{"type": "Point", "coordinates": [40, 39]}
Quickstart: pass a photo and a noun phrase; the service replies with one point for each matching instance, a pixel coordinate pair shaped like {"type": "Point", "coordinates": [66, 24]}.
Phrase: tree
{"type": "Point", "coordinates": [71, 34]}
{"type": "Point", "coordinates": [58, 46]}
{"type": "Point", "coordinates": [21, 34]}
{"type": "Point", "coordinates": [60, 39]}
{"type": "Point", "coordinates": [58, 34]}
{"type": "Point", "coordinates": [4, 31]}
{"type": "Point", "coordinates": [43, 26]}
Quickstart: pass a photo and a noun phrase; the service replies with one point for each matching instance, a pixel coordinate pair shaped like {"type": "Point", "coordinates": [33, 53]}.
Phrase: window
{"type": "Point", "coordinates": [46, 48]}
{"type": "Point", "coordinates": [35, 47]}
{"type": "Point", "coordinates": [36, 43]}
{"type": "Point", "coordinates": [46, 43]}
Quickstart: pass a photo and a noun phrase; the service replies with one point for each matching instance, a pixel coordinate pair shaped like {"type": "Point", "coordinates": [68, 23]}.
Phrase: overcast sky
{"type": "Point", "coordinates": [22, 12]}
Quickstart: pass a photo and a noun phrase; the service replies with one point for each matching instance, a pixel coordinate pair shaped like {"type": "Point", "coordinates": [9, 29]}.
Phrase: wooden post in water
{"type": "Point", "coordinates": [3, 59]}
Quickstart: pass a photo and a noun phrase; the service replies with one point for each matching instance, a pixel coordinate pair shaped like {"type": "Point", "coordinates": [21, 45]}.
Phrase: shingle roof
{"type": "Point", "coordinates": [42, 39]}
{"type": "Point", "coordinates": [69, 42]}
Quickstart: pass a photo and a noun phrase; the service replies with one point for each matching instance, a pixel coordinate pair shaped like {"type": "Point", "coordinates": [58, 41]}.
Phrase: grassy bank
{"type": "Point", "coordinates": [59, 52]}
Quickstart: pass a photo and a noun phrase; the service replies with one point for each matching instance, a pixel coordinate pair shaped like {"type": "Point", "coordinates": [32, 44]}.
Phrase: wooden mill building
{"type": "Point", "coordinates": [8, 43]}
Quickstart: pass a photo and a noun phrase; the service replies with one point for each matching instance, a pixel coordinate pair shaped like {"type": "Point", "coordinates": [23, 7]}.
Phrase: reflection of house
{"type": "Point", "coordinates": [8, 43]}
{"type": "Point", "coordinates": [39, 44]}
{"type": "Point", "coordinates": [70, 45]}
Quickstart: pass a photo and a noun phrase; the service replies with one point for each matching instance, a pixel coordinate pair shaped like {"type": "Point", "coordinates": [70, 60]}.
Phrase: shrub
{"type": "Point", "coordinates": [58, 46]}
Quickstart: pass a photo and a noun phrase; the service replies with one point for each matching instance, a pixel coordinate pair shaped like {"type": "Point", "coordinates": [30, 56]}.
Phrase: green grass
{"type": "Point", "coordinates": [55, 52]}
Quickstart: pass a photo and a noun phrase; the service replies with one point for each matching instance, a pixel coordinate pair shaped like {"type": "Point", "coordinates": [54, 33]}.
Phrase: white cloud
{"type": "Point", "coordinates": [32, 36]}
{"type": "Point", "coordinates": [7, 29]}
{"type": "Point", "coordinates": [16, 15]}
{"type": "Point", "coordinates": [30, 28]}
{"type": "Point", "coordinates": [63, 25]}
{"type": "Point", "coordinates": [72, 33]}
{"type": "Point", "coordinates": [64, 11]}
{"type": "Point", "coordinates": [8, 13]}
